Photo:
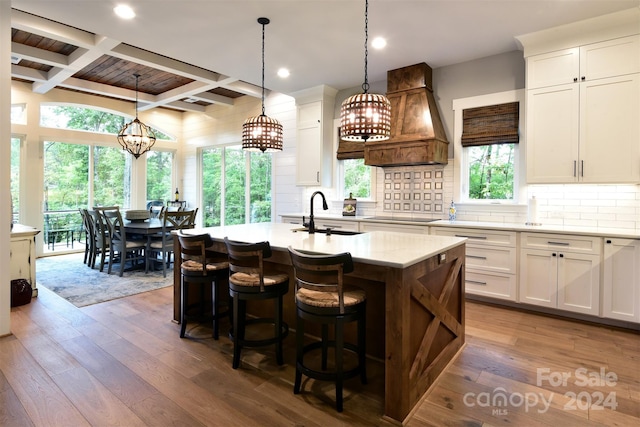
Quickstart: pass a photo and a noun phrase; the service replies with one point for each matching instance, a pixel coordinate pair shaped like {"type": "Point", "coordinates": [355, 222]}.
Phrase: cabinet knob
{"type": "Point", "coordinates": [553, 254]}
{"type": "Point", "coordinates": [608, 241]}
{"type": "Point", "coordinates": [561, 255]}
{"type": "Point", "coordinates": [583, 78]}
{"type": "Point", "coordinates": [575, 79]}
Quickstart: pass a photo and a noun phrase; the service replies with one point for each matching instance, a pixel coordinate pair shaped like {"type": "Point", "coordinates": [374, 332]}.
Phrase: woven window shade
{"type": "Point", "coordinates": [349, 149]}
{"type": "Point", "coordinates": [493, 124]}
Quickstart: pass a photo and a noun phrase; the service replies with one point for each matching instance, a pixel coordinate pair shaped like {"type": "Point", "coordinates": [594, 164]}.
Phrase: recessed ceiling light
{"type": "Point", "coordinates": [124, 11]}
{"type": "Point", "coordinates": [378, 43]}
{"type": "Point", "coordinates": [283, 72]}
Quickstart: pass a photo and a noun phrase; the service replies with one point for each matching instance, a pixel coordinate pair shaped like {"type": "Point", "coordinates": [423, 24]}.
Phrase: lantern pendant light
{"type": "Point", "coordinates": [366, 116]}
{"type": "Point", "coordinates": [136, 137]}
{"type": "Point", "coordinates": [262, 133]}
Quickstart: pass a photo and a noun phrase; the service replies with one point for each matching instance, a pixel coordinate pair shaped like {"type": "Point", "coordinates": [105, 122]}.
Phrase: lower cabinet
{"type": "Point", "coordinates": [562, 272]}
{"type": "Point", "coordinates": [490, 261]}
{"type": "Point", "coordinates": [621, 279]}
{"type": "Point", "coordinates": [400, 228]}
{"type": "Point", "coordinates": [22, 255]}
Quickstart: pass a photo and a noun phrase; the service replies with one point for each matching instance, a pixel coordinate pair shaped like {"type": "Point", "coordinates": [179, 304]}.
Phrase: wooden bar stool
{"type": "Point", "coordinates": [199, 268]}
{"type": "Point", "coordinates": [249, 281]}
{"type": "Point", "coordinates": [321, 297]}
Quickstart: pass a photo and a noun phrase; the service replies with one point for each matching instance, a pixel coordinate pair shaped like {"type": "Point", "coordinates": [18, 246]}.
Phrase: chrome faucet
{"type": "Point", "coordinates": [312, 226]}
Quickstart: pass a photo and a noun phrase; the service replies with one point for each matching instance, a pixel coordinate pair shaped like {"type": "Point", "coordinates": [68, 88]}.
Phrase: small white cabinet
{"type": "Point", "coordinates": [22, 255]}
{"type": "Point", "coordinates": [314, 138]}
{"type": "Point", "coordinates": [490, 261]}
{"type": "Point", "coordinates": [576, 99]}
{"type": "Point", "coordinates": [621, 279]}
{"type": "Point", "coordinates": [560, 271]}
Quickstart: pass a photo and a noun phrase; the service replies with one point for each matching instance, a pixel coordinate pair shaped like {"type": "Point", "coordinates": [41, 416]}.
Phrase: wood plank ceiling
{"type": "Point", "coordinates": [48, 54]}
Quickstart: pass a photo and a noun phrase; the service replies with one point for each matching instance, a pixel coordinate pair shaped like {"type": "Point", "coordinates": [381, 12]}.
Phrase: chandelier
{"type": "Point", "coordinates": [262, 133]}
{"type": "Point", "coordinates": [365, 116]}
{"type": "Point", "coordinates": [136, 137]}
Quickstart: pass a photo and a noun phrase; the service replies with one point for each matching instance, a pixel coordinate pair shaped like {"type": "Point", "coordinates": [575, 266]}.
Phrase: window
{"type": "Point", "coordinates": [19, 114]}
{"type": "Point", "coordinates": [356, 178]}
{"type": "Point", "coordinates": [159, 172]}
{"type": "Point", "coordinates": [236, 186]}
{"type": "Point", "coordinates": [487, 133]}
{"type": "Point", "coordinates": [89, 119]}
{"type": "Point", "coordinates": [16, 143]}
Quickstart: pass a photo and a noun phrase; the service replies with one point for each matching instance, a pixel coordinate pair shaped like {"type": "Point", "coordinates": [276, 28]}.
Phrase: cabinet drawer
{"type": "Point", "coordinates": [502, 260]}
{"type": "Point", "coordinates": [501, 286]}
{"type": "Point", "coordinates": [478, 236]}
{"type": "Point", "coordinates": [336, 224]}
{"type": "Point", "coordinates": [401, 228]}
{"type": "Point", "coordinates": [561, 242]}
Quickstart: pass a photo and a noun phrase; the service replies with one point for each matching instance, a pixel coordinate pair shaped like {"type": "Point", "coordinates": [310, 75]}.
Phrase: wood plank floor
{"type": "Point", "coordinates": [121, 363]}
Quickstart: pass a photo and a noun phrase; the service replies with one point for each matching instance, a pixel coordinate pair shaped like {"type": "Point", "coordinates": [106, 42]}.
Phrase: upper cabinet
{"type": "Point", "coordinates": [314, 138]}
{"type": "Point", "coordinates": [583, 105]}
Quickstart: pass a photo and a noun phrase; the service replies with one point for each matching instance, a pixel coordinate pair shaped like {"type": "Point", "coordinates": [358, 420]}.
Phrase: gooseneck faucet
{"type": "Point", "coordinates": [312, 226]}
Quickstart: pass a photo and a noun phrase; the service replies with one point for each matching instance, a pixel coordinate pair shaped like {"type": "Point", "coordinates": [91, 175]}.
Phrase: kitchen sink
{"type": "Point", "coordinates": [328, 231]}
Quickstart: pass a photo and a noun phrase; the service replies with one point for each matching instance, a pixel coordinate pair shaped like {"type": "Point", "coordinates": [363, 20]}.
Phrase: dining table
{"type": "Point", "coordinates": [144, 230]}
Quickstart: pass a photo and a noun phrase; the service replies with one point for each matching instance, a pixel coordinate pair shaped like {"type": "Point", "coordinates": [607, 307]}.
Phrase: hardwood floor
{"type": "Point", "coordinates": [122, 363]}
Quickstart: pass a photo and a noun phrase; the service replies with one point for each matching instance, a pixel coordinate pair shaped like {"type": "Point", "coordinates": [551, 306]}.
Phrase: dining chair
{"type": "Point", "coordinates": [163, 244]}
{"type": "Point", "coordinates": [120, 247]}
{"type": "Point", "coordinates": [250, 281]}
{"type": "Point", "coordinates": [102, 242]}
{"type": "Point", "coordinates": [156, 211]}
{"type": "Point", "coordinates": [89, 238]}
{"type": "Point", "coordinates": [322, 297]}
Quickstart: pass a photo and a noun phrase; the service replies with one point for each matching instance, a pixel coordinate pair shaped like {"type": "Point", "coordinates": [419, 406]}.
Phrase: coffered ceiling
{"type": "Point", "coordinates": [194, 53]}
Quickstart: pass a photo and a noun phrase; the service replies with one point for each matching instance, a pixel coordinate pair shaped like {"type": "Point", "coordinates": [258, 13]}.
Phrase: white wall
{"type": "Point", "coordinates": [5, 164]}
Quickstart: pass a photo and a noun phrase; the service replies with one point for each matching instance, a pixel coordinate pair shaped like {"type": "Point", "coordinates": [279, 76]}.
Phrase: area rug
{"type": "Point", "coordinates": [69, 277]}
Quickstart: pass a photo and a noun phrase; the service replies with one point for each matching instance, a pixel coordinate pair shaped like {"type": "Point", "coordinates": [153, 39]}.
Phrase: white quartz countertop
{"type": "Point", "coordinates": [624, 233]}
{"type": "Point", "coordinates": [399, 250]}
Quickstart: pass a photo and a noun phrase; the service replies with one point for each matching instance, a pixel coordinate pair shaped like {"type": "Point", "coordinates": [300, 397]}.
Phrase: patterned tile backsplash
{"type": "Point", "coordinates": [413, 191]}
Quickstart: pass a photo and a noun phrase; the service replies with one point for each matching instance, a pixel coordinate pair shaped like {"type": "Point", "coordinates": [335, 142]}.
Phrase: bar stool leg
{"type": "Point", "coordinates": [214, 308]}
{"type": "Point", "coordinates": [325, 345]}
{"type": "Point", "coordinates": [362, 345]}
{"type": "Point", "coordinates": [299, 353]}
{"type": "Point", "coordinates": [339, 361]}
{"type": "Point", "coordinates": [278, 330]}
{"type": "Point", "coordinates": [183, 306]}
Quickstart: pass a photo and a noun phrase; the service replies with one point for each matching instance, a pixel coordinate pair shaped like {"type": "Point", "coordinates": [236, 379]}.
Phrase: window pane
{"type": "Point", "coordinates": [357, 178]}
{"type": "Point", "coordinates": [111, 177]}
{"type": "Point", "coordinates": [234, 191]}
{"type": "Point", "coordinates": [159, 170]}
{"type": "Point", "coordinates": [212, 186]}
{"type": "Point", "coordinates": [18, 114]}
{"type": "Point", "coordinates": [491, 169]}
{"type": "Point", "coordinates": [15, 178]}
{"type": "Point", "coordinates": [66, 183]}
{"type": "Point", "coordinates": [260, 187]}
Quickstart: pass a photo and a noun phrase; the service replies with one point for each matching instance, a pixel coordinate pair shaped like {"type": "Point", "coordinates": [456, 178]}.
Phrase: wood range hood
{"type": "Point", "coordinates": [417, 133]}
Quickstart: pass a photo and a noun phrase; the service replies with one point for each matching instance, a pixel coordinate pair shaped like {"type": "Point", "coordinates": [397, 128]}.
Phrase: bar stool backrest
{"type": "Point", "coordinates": [321, 273]}
{"type": "Point", "coordinates": [248, 258]}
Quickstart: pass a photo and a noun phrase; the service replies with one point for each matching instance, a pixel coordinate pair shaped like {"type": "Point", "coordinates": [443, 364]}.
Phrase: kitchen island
{"type": "Point", "coordinates": [415, 294]}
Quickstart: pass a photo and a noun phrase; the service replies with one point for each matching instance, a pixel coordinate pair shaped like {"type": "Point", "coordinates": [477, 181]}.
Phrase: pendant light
{"type": "Point", "coordinates": [366, 116]}
{"type": "Point", "coordinates": [136, 137]}
{"type": "Point", "coordinates": [262, 133]}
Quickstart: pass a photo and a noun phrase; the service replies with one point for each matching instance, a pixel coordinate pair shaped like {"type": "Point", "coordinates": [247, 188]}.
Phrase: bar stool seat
{"type": "Point", "coordinates": [321, 297]}
{"type": "Point", "coordinates": [200, 268]}
{"type": "Point", "coordinates": [248, 280]}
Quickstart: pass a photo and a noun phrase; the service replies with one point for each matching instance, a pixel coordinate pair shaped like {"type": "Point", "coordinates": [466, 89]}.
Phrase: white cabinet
{"type": "Point", "coordinates": [621, 279]}
{"type": "Point", "coordinates": [314, 138]}
{"type": "Point", "coordinates": [560, 271]}
{"type": "Point", "coordinates": [366, 226]}
{"type": "Point", "coordinates": [490, 261]}
{"type": "Point", "coordinates": [576, 99]}
{"type": "Point", "coordinates": [22, 255]}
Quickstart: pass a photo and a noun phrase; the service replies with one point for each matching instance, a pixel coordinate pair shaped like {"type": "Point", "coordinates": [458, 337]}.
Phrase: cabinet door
{"type": "Point", "coordinates": [20, 259]}
{"type": "Point", "coordinates": [610, 58]}
{"type": "Point", "coordinates": [579, 283]}
{"type": "Point", "coordinates": [621, 280]}
{"type": "Point", "coordinates": [552, 134]}
{"type": "Point", "coordinates": [610, 130]}
{"type": "Point", "coordinates": [554, 68]}
{"type": "Point", "coordinates": [539, 277]}
{"type": "Point", "coordinates": [309, 144]}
